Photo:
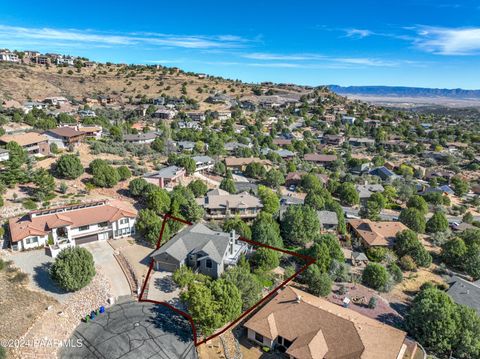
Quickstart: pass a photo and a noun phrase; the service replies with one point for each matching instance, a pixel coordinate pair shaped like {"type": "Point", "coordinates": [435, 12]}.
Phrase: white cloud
{"type": "Point", "coordinates": [366, 61]}
{"type": "Point", "coordinates": [448, 41]}
{"type": "Point", "coordinates": [46, 35]}
{"type": "Point", "coordinates": [359, 33]}
{"type": "Point", "coordinates": [281, 57]}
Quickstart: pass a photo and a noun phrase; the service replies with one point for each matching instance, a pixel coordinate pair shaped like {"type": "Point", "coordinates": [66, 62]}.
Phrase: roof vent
{"type": "Point", "coordinates": [299, 298]}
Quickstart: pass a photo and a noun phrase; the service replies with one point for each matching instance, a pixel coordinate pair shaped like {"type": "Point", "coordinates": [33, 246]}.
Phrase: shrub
{"type": "Point", "coordinates": [69, 167]}
{"type": "Point", "coordinates": [407, 263]}
{"type": "Point", "coordinates": [124, 173]}
{"type": "Point", "coordinates": [375, 276]}
{"type": "Point", "coordinates": [29, 204]}
{"type": "Point", "coordinates": [73, 268]}
{"type": "Point", "coordinates": [372, 303]}
{"type": "Point", "coordinates": [395, 272]}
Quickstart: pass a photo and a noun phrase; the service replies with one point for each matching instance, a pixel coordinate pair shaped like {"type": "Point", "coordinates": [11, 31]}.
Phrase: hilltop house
{"type": "Point", "coordinates": [220, 204]}
{"type": "Point", "coordinates": [141, 138]}
{"type": "Point", "coordinates": [203, 163]}
{"type": "Point", "coordinates": [167, 177]}
{"type": "Point", "coordinates": [32, 142]}
{"type": "Point", "coordinates": [304, 326]}
{"type": "Point", "coordinates": [375, 234]}
{"type": "Point", "coordinates": [201, 249]}
{"type": "Point", "coordinates": [64, 137]}
{"type": "Point", "coordinates": [73, 225]}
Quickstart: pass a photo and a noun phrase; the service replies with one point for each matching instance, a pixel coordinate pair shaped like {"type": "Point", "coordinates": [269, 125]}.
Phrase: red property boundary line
{"type": "Point", "coordinates": [197, 342]}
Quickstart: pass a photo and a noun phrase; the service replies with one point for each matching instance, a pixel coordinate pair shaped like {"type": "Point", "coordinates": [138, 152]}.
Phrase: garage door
{"type": "Point", "coordinates": [165, 266]}
{"type": "Point", "coordinates": [86, 239]}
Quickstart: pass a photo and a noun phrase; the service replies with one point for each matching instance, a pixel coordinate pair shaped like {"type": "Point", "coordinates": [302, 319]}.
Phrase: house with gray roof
{"type": "Point", "coordinates": [202, 249]}
{"type": "Point", "coordinates": [365, 191]}
{"type": "Point", "coordinates": [203, 163]}
{"type": "Point", "coordinates": [328, 220]}
{"type": "Point", "coordinates": [465, 293]}
{"type": "Point", "coordinates": [167, 177]}
{"type": "Point", "coordinates": [141, 138]}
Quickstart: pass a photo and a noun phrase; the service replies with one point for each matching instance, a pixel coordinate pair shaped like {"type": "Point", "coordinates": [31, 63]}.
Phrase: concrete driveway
{"type": "Point", "coordinates": [37, 265]}
{"type": "Point", "coordinates": [103, 256]}
{"type": "Point", "coordinates": [134, 330]}
{"type": "Point", "coordinates": [162, 288]}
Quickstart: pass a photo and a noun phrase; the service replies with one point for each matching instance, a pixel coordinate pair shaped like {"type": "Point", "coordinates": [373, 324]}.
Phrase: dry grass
{"type": "Point", "coordinates": [20, 306]}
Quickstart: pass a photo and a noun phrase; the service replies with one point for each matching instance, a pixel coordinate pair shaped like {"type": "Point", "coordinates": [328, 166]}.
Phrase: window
{"type": "Point", "coordinates": [84, 228]}
{"type": "Point", "coordinates": [208, 263]}
{"type": "Point", "coordinates": [259, 338]}
{"type": "Point", "coordinates": [124, 221]}
{"type": "Point", "coordinates": [31, 240]}
{"type": "Point", "coordinates": [103, 224]}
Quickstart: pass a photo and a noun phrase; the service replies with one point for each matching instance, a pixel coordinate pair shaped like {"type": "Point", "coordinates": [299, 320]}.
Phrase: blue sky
{"type": "Point", "coordinates": [423, 43]}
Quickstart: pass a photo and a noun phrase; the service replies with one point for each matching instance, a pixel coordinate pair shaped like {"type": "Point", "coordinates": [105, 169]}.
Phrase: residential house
{"type": "Point", "coordinates": [167, 177]}
{"type": "Point", "coordinates": [86, 113]}
{"type": "Point", "coordinates": [333, 140]}
{"type": "Point", "coordinates": [93, 132]}
{"type": "Point", "coordinates": [219, 98]}
{"type": "Point", "coordinates": [164, 114]}
{"type": "Point", "coordinates": [282, 142]}
{"type": "Point", "coordinates": [304, 326]}
{"type": "Point", "coordinates": [41, 60]}
{"type": "Point", "coordinates": [240, 163]}
{"type": "Point", "coordinates": [384, 173]}
{"type": "Point", "coordinates": [233, 146]}
{"type": "Point", "coordinates": [185, 145]}
{"type": "Point", "coordinates": [361, 142]}
{"type": "Point", "coordinates": [56, 100]}
{"type": "Point", "coordinates": [65, 137]}
{"type": "Point", "coordinates": [348, 120]}
{"type": "Point", "coordinates": [220, 204]}
{"type": "Point", "coordinates": [365, 191]}
{"type": "Point", "coordinates": [202, 249]}
{"type": "Point", "coordinates": [320, 159]}
{"type": "Point", "coordinates": [34, 143]}
{"type": "Point", "coordinates": [73, 225]}
{"type": "Point", "coordinates": [4, 155]}
{"type": "Point", "coordinates": [294, 178]}
{"type": "Point", "coordinates": [140, 138]}
{"type": "Point", "coordinates": [197, 116]}
{"type": "Point", "coordinates": [203, 163]}
{"type": "Point", "coordinates": [7, 56]}
{"type": "Point", "coordinates": [30, 105]}
{"type": "Point", "coordinates": [328, 221]}
{"type": "Point", "coordinates": [375, 234]}
{"type": "Point", "coordinates": [464, 292]}
{"type": "Point", "coordinates": [189, 124]}
{"type": "Point", "coordinates": [222, 115]}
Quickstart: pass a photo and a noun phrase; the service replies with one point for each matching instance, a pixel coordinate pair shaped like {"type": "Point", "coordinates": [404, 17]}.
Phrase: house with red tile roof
{"type": "Point", "coordinates": [73, 225]}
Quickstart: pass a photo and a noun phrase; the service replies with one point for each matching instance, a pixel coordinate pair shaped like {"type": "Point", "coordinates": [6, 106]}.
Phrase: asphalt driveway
{"type": "Point", "coordinates": [133, 330]}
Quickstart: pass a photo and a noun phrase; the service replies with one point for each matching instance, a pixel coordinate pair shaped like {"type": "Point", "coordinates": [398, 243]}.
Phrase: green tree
{"type": "Point", "coordinates": [247, 283]}
{"type": "Point", "coordinates": [73, 268]}
{"type": "Point", "coordinates": [116, 133]}
{"type": "Point", "coordinates": [266, 259]}
{"type": "Point", "coordinates": [198, 188]}
{"type": "Point", "coordinates": [239, 226]}
{"type": "Point", "coordinates": [437, 223]}
{"type": "Point", "coordinates": [413, 219]}
{"type": "Point", "coordinates": [348, 194]}
{"type": "Point", "coordinates": [374, 206]}
{"type": "Point", "coordinates": [315, 200]}
{"type": "Point", "coordinates": [255, 170]}
{"type": "Point", "coordinates": [419, 203]}
{"type": "Point", "coordinates": [105, 175]}
{"type": "Point", "coordinates": [310, 182]}
{"type": "Point", "coordinates": [45, 185]}
{"type": "Point", "coordinates": [319, 283]}
{"type": "Point", "coordinates": [375, 276]}
{"type": "Point", "coordinates": [124, 173]}
{"type": "Point", "coordinates": [274, 178]}
{"type": "Point", "coordinates": [453, 252]}
{"type": "Point", "coordinates": [230, 298]}
{"type": "Point", "coordinates": [300, 225]}
{"type": "Point", "coordinates": [203, 307]}
{"type": "Point", "coordinates": [149, 225]}
{"type": "Point", "coordinates": [433, 320]}
{"type": "Point", "coordinates": [183, 202]}
{"type": "Point", "coordinates": [69, 167]}
{"type": "Point", "coordinates": [269, 198]}
{"type": "Point", "coordinates": [183, 276]}
{"type": "Point", "coordinates": [460, 186]}
{"type": "Point", "coordinates": [159, 201]}
{"type": "Point", "coordinates": [228, 185]}
{"type": "Point", "coordinates": [407, 243]}
{"type": "Point", "coordinates": [158, 144]}
{"type": "Point", "coordinates": [137, 186]}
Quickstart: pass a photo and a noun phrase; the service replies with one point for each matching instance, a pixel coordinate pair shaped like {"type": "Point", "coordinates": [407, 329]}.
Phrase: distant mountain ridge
{"type": "Point", "coordinates": [404, 91]}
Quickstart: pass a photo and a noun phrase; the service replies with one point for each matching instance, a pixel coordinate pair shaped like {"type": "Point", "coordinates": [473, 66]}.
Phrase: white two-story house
{"type": "Point", "coordinates": [71, 225]}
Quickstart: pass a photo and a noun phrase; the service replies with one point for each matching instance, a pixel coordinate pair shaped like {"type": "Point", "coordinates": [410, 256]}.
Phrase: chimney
{"type": "Point", "coordinates": [232, 240]}
{"type": "Point", "coordinates": [299, 299]}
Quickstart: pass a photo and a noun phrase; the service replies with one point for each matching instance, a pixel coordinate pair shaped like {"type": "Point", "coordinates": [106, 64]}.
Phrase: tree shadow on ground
{"type": "Point", "coordinates": [165, 284]}
{"type": "Point", "coordinates": [44, 281]}
{"type": "Point", "coordinates": [171, 322]}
